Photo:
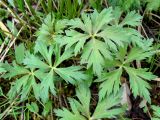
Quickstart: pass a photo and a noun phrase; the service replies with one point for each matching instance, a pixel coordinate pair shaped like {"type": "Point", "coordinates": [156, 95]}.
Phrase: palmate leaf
{"type": "Point", "coordinates": [25, 77]}
{"type": "Point", "coordinates": [138, 77]}
{"type": "Point", "coordinates": [94, 34]}
{"type": "Point", "coordinates": [50, 68]}
{"type": "Point", "coordinates": [42, 67]}
{"type": "Point", "coordinates": [81, 107]}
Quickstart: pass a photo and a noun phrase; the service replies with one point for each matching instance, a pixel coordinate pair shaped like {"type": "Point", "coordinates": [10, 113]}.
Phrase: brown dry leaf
{"type": "Point", "coordinates": [125, 96]}
{"type": "Point", "coordinates": [5, 29]}
{"type": "Point", "coordinates": [143, 103]}
{"type": "Point", "coordinates": [158, 81]}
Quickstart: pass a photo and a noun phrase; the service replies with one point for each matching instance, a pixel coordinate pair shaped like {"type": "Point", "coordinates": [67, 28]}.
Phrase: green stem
{"type": "Point", "coordinates": [12, 12]}
{"type": "Point", "coordinates": [44, 6]}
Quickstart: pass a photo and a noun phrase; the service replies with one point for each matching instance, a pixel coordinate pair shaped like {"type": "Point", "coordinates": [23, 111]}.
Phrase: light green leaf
{"type": "Point", "coordinates": [60, 58]}
{"type": "Point", "coordinates": [105, 108]}
{"type": "Point", "coordinates": [46, 31]}
{"type": "Point", "coordinates": [33, 107]}
{"type": "Point", "coordinates": [104, 17]}
{"type": "Point", "coordinates": [156, 112]}
{"type": "Point", "coordinates": [17, 86]}
{"type": "Point", "coordinates": [153, 5]}
{"type": "Point", "coordinates": [74, 37]}
{"type": "Point", "coordinates": [116, 35]}
{"type": "Point", "coordinates": [94, 54]}
{"type": "Point", "coordinates": [71, 74]}
{"type": "Point", "coordinates": [20, 53]}
{"type": "Point", "coordinates": [51, 29]}
{"type": "Point", "coordinates": [1, 92]}
{"type": "Point", "coordinates": [80, 108]}
{"type": "Point", "coordinates": [132, 18]}
{"type": "Point", "coordinates": [95, 36]}
{"type": "Point", "coordinates": [47, 108]}
{"type": "Point", "coordinates": [138, 54]}
{"type": "Point", "coordinates": [30, 83]}
{"type": "Point", "coordinates": [44, 51]}
{"type": "Point", "coordinates": [2, 70]}
{"type": "Point", "coordinates": [14, 70]}
{"type": "Point", "coordinates": [46, 86]}
{"type": "Point", "coordinates": [60, 25]}
{"type": "Point", "coordinates": [65, 114]}
{"type": "Point", "coordinates": [111, 83]}
{"type": "Point", "coordinates": [138, 84]}
{"type": "Point", "coordinates": [35, 62]}
{"type": "Point", "coordinates": [84, 96]}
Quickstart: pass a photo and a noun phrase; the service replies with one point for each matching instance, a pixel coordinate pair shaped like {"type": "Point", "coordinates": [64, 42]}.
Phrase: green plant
{"type": "Point", "coordinates": [69, 9]}
{"type": "Point", "coordinates": [43, 68]}
{"type": "Point", "coordinates": [122, 64]}
{"type": "Point", "coordinates": [156, 112]}
{"type": "Point", "coordinates": [3, 14]}
{"type": "Point", "coordinates": [95, 47]}
{"type": "Point", "coordinates": [107, 108]}
{"type": "Point", "coordinates": [97, 36]}
{"type": "Point", "coordinates": [51, 29]}
{"type": "Point", "coordinates": [126, 5]}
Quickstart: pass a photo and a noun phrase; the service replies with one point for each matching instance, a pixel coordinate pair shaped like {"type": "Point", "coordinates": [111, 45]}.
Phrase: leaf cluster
{"type": "Point", "coordinates": [104, 46]}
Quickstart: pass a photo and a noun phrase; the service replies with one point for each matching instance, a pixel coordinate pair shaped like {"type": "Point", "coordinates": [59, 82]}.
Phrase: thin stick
{"type": "Point", "coordinates": [51, 109]}
{"type": "Point", "coordinates": [65, 101]}
{"type": "Point", "coordinates": [54, 4]}
{"type": "Point", "coordinates": [155, 15]}
{"type": "Point", "coordinates": [10, 45]}
{"type": "Point", "coordinates": [144, 31]}
{"type": "Point", "coordinates": [28, 7]}
{"type": "Point", "coordinates": [105, 1]}
{"type": "Point", "coordinates": [5, 48]}
{"type": "Point", "coordinates": [156, 22]}
{"type": "Point", "coordinates": [8, 110]}
{"type": "Point", "coordinates": [12, 12]}
{"type": "Point", "coordinates": [2, 46]}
